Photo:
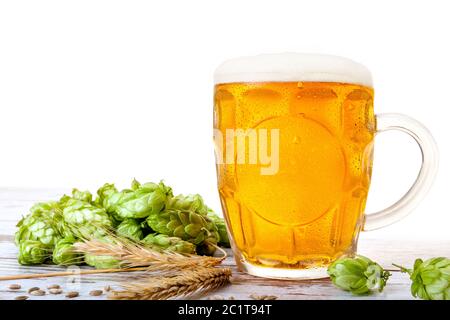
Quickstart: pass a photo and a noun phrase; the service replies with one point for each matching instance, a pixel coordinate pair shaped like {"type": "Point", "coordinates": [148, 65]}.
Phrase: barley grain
{"type": "Point", "coordinates": [55, 291]}
{"type": "Point", "coordinates": [72, 294]}
{"type": "Point", "coordinates": [96, 293]}
{"type": "Point", "coordinates": [15, 286]}
{"type": "Point", "coordinates": [38, 292]}
{"type": "Point", "coordinates": [54, 286]}
{"type": "Point", "coordinates": [33, 289]}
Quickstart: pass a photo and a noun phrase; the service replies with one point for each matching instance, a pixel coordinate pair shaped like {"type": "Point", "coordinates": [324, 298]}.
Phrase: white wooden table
{"type": "Point", "coordinates": [15, 202]}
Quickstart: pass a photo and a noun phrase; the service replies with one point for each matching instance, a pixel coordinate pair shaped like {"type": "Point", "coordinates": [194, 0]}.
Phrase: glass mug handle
{"type": "Point", "coordinates": [427, 173]}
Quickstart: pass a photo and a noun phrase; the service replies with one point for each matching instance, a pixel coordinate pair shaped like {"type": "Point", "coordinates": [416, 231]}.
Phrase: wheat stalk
{"type": "Point", "coordinates": [195, 273]}
{"type": "Point", "coordinates": [185, 284]}
{"type": "Point", "coordinates": [132, 254]}
{"type": "Point", "coordinates": [68, 273]}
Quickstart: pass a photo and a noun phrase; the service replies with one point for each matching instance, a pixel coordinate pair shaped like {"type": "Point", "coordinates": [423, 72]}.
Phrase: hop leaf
{"type": "Point", "coordinates": [130, 228]}
{"type": "Point", "coordinates": [430, 278]}
{"type": "Point", "coordinates": [162, 241]}
{"type": "Point", "coordinates": [359, 275]}
{"type": "Point", "coordinates": [33, 252]}
{"type": "Point", "coordinates": [63, 254]}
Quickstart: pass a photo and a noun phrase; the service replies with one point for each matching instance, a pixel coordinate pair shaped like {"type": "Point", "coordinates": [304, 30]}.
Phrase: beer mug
{"type": "Point", "coordinates": [294, 136]}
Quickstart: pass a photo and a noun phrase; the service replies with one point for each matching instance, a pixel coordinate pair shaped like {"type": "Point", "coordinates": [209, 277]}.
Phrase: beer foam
{"type": "Point", "coordinates": [286, 67]}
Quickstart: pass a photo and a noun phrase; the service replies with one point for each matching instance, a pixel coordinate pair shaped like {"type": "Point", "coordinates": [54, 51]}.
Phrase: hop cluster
{"type": "Point", "coordinates": [147, 213]}
{"type": "Point", "coordinates": [430, 279]}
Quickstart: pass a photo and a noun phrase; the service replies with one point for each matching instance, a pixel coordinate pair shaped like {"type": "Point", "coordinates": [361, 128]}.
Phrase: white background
{"type": "Point", "coordinates": [96, 91]}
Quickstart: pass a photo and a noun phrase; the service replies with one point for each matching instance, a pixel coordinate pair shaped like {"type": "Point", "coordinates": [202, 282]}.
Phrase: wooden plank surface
{"type": "Point", "coordinates": [15, 202]}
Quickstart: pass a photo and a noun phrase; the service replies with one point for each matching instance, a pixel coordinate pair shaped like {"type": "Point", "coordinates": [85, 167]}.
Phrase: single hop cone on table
{"type": "Point", "coordinates": [165, 242]}
{"type": "Point", "coordinates": [359, 275]}
{"type": "Point", "coordinates": [187, 225]}
{"type": "Point", "coordinates": [430, 278]}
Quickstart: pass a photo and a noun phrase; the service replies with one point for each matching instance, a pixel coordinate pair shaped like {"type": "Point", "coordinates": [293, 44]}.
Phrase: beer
{"type": "Point", "coordinates": [310, 212]}
{"type": "Point", "coordinates": [294, 150]}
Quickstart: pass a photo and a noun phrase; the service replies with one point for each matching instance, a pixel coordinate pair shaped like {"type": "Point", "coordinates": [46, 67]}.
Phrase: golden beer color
{"type": "Point", "coordinates": [311, 210]}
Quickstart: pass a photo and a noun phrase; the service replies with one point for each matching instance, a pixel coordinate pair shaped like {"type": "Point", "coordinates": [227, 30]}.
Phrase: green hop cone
{"type": "Point", "coordinates": [63, 254]}
{"type": "Point", "coordinates": [224, 240]}
{"type": "Point", "coordinates": [104, 192]}
{"type": "Point", "coordinates": [187, 225]}
{"type": "Point", "coordinates": [139, 202]}
{"type": "Point", "coordinates": [162, 241]}
{"type": "Point", "coordinates": [33, 252]}
{"type": "Point", "coordinates": [101, 262]}
{"type": "Point", "coordinates": [86, 220]}
{"type": "Point", "coordinates": [130, 228]}
{"type": "Point", "coordinates": [85, 196]}
{"type": "Point", "coordinates": [191, 202]}
{"type": "Point", "coordinates": [42, 224]}
{"type": "Point", "coordinates": [110, 204]}
{"type": "Point", "coordinates": [430, 278]}
{"type": "Point", "coordinates": [359, 275]}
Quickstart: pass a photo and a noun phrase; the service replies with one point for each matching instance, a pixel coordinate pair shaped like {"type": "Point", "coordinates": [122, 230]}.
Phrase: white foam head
{"type": "Point", "coordinates": [285, 67]}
